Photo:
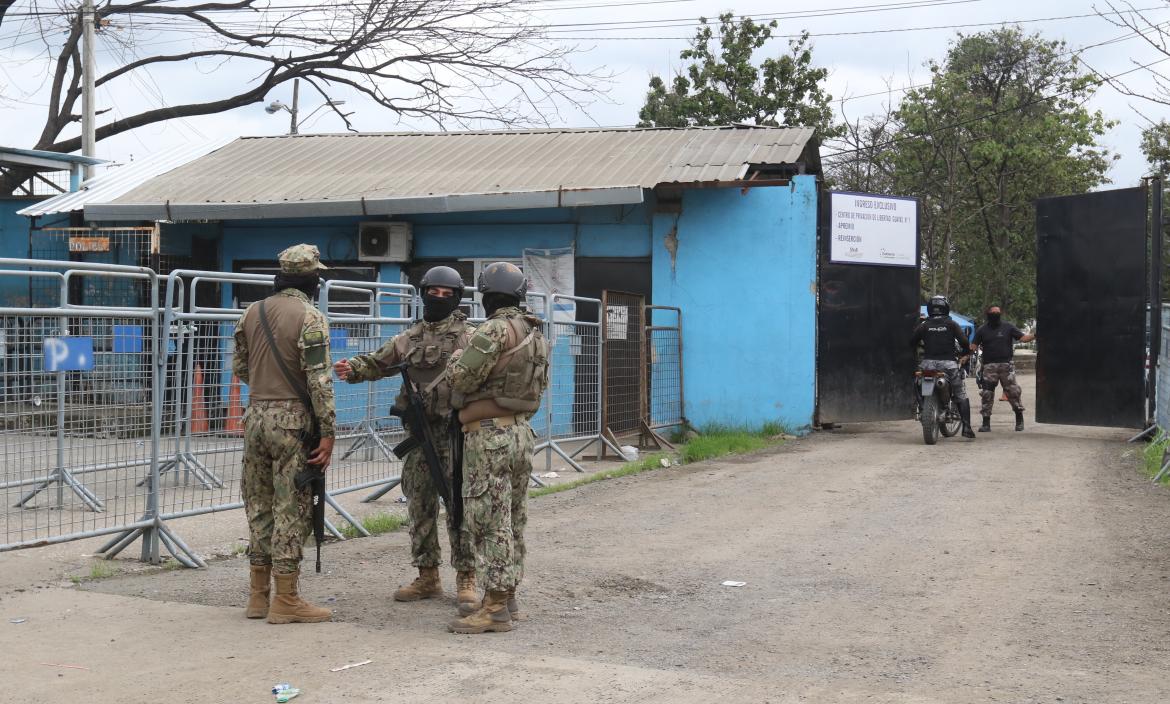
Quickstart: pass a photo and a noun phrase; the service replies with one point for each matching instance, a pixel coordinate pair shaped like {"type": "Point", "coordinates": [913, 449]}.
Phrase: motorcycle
{"type": "Point", "coordinates": [937, 409]}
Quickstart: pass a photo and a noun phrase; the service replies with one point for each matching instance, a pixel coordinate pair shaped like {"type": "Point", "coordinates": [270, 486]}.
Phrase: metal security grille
{"type": "Point", "coordinates": [623, 362]}
{"type": "Point", "coordinates": [123, 246]}
{"type": "Point", "coordinates": [664, 366]}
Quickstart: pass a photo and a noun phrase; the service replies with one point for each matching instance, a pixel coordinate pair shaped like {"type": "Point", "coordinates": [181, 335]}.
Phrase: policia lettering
{"type": "Point", "coordinates": [497, 383]}
{"type": "Point", "coordinates": [426, 348]}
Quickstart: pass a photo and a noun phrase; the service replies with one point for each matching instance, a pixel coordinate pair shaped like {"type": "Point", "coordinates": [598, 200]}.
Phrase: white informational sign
{"type": "Point", "coordinates": [869, 229]}
{"type": "Point", "coordinates": [617, 321]}
{"type": "Point", "coordinates": [551, 271]}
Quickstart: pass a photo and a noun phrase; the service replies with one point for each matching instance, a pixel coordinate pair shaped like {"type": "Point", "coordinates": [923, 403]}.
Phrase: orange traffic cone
{"type": "Point", "coordinates": [234, 423]}
{"type": "Point", "coordinates": [198, 408]}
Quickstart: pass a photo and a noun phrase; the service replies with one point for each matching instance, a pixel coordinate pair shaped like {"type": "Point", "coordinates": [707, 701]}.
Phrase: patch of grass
{"type": "Point", "coordinates": [715, 440]}
{"type": "Point", "coordinates": [646, 464]}
{"type": "Point", "coordinates": [722, 440]}
{"type": "Point", "coordinates": [1152, 455]}
{"type": "Point", "coordinates": [376, 524]}
{"type": "Point", "coordinates": [241, 549]}
{"type": "Point", "coordinates": [102, 569]}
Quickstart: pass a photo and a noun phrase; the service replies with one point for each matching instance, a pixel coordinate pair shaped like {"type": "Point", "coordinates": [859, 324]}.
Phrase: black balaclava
{"type": "Point", "coordinates": [495, 301]}
{"type": "Point", "coordinates": [994, 318]}
{"type": "Point", "coordinates": [307, 284]}
{"type": "Point", "coordinates": [436, 309]}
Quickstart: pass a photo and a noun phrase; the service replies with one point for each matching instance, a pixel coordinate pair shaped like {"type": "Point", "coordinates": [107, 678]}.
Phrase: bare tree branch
{"type": "Point", "coordinates": [450, 62]}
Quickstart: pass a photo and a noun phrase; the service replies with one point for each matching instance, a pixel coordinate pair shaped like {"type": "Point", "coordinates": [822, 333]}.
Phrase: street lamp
{"type": "Point", "coordinates": [293, 123]}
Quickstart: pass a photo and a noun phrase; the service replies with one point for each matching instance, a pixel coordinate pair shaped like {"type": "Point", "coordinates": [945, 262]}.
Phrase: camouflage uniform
{"type": "Point", "coordinates": [279, 514]}
{"type": "Point", "coordinates": [498, 455]}
{"type": "Point", "coordinates": [995, 373]}
{"type": "Point", "coordinates": [416, 478]}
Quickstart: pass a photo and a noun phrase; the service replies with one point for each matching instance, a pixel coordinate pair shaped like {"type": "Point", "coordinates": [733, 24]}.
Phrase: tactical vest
{"type": "Point", "coordinates": [520, 376]}
{"type": "Point", "coordinates": [286, 315]}
{"type": "Point", "coordinates": [428, 351]}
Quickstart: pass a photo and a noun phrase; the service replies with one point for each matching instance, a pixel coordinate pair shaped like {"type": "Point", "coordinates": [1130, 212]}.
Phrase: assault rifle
{"type": "Point", "coordinates": [419, 436]}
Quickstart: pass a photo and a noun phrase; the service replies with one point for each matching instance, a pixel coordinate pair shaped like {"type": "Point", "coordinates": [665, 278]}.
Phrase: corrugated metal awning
{"type": "Point", "coordinates": [118, 180]}
{"type": "Point", "coordinates": [386, 174]}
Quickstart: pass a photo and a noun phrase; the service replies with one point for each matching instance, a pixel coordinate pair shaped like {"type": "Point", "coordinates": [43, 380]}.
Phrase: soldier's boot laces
{"type": "Point", "coordinates": [965, 414]}
{"type": "Point", "coordinates": [289, 607]}
{"type": "Point", "coordinates": [492, 617]}
{"type": "Point", "coordinates": [1019, 420]}
{"type": "Point", "coordinates": [514, 606]}
{"type": "Point", "coordinates": [425, 586]}
{"type": "Point", "coordinates": [469, 601]}
{"type": "Point", "coordinates": [986, 427]}
{"type": "Point", "coordinates": [261, 577]}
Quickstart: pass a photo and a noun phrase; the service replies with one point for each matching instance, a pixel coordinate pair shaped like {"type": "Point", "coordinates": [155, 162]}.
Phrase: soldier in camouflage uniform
{"type": "Point", "coordinates": [498, 381]}
{"type": "Point", "coordinates": [275, 424]}
{"type": "Point", "coordinates": [997, 340]}
{"type": "Point", "coordinates": [427, 346]}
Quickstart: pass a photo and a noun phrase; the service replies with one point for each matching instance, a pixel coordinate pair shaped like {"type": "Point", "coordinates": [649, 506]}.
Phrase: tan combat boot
{"type": "Point", "coordinates": [289, 607]}
{"type": "Point", "coordinates": [425, 586]}
{"type": "Point", "coordinates": [468, 599]}
{"type": "Point", "coordinates": [261, 588]}
{"type": "Point", "coordinates": [514, 607]}
{"type": "Point", "coordinates": [492, 617]}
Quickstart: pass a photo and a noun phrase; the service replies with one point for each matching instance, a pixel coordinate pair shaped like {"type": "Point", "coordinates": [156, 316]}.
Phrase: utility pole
{"type": "Point", "coordinates": [292, 121]}
{"type": "Point", "coordinates": [88, 135]}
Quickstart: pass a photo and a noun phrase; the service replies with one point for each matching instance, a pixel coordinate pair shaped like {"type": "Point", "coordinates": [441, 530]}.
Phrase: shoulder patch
{"type": "Point", "coordinates": [314, 337]}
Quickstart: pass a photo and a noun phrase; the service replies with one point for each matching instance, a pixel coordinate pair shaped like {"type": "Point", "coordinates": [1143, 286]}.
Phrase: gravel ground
{"type": "Point", "coordinates": [1021, 567]}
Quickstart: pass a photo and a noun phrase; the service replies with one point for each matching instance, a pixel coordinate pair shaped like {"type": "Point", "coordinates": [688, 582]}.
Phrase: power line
{"type": "Point", "coordinates": [530, 6]}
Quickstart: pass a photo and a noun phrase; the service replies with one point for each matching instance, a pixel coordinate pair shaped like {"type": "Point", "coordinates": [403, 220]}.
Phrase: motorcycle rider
{"type": "Point", "coordinates": [938, 335]}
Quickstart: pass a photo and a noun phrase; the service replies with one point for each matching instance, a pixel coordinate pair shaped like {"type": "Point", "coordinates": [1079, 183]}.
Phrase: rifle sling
{"type": "Point", "coordinates": [299, 387]}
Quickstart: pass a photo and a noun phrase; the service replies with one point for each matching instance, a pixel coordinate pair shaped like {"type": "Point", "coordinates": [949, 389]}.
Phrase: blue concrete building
{"type": "Point", "coordinates": [719, 222]}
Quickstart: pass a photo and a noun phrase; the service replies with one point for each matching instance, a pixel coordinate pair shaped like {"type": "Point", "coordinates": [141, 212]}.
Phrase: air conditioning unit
{"type": "Point", "coordinates": [384, 241]}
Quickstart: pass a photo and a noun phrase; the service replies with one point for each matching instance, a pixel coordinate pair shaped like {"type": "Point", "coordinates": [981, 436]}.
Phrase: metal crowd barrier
{"type": "Point", "coordinates": [116, 421]}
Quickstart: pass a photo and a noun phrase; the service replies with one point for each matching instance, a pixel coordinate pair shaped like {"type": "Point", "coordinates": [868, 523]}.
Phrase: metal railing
{"type": "Point", "coordinates": [117, 420]}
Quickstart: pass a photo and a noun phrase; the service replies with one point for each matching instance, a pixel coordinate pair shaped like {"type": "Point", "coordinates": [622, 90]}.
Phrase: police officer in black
{"type": "Point", "coordinates": [942, 343]}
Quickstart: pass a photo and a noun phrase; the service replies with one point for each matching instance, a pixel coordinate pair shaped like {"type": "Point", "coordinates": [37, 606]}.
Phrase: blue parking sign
{"type": "Point", "coordinates": [68, 354]}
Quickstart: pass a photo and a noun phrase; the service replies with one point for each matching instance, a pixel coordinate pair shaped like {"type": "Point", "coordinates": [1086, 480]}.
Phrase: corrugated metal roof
{"type": "Point", "coordinates": [122, 179]}
{"type": "Point", "coordinates": [13, 155]}
{"type": "Point", "coordinates": [413, 166]}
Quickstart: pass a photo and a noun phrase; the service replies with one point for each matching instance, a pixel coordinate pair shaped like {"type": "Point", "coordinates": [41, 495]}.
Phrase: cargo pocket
{"type": "Point", "coordinates": [489, 456]}
{"type": "Point", "coordinates": [296, 421]}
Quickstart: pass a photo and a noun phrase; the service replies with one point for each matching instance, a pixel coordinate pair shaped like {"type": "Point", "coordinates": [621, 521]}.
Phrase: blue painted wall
{"type": "Point", "coordinates": [14, 291]}
{"type": "Point", "coordinates": [605, 231]}
{"type": "Point", "coordinates": [745, 277]}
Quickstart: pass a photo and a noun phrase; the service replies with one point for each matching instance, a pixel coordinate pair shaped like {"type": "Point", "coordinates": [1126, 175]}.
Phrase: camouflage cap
{"type": "Point", "coordinates": [301, 259]}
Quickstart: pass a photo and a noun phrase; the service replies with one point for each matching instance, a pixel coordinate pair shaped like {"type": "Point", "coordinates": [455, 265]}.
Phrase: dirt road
{"type": "Point", "coordinates": [1022, 567]}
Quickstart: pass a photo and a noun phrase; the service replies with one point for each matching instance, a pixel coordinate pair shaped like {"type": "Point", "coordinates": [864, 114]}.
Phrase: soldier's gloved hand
{"type": "Point", "coordinates": [322, 454]}
{"type": "Point", "coordinates": [342, 368]}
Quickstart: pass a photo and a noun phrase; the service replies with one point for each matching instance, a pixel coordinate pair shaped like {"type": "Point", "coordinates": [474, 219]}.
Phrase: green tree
{"type": "Point", "coordinates": [730, 88]}
{"type": "Point", "coordinates": [1001, 124]}
{"type": "Point", "coordinates": [1156, 147]}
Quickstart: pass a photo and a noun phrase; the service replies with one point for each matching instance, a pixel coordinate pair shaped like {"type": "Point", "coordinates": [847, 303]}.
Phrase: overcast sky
{"type": "Point", "coordinates": [859, 64]}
